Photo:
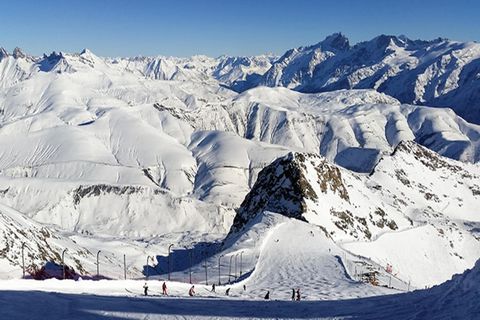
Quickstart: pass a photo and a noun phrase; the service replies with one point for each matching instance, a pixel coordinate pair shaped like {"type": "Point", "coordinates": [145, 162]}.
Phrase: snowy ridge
{"type": "Point", "coordinates": [437, 73]}
{"type": "Point", "coordinates": [371, 215]}
{"type": "Point", "coordinates": [340, 125]}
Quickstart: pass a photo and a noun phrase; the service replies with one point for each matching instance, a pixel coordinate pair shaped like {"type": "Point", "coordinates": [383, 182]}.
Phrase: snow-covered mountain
{"type": "Point", "coordinates": [396, 214]}
{"type": "Point", "coordinates": [440, 72]}
{"type": "Point", "coordinates": [129, 155]}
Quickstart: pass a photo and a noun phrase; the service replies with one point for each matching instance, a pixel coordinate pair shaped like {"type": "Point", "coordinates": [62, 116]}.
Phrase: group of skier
{"type": "Point", "coordinates": [191, 291]}
{"type": "Point", "coordinates": [164, 289]}
{"type": "Point", "coordinates": [295, 295]}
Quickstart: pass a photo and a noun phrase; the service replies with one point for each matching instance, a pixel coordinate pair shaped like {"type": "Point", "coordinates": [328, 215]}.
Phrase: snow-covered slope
{"type": "Point", "coordinates": [437, 73]}
{"type": "Point", "coordinates": [40, 244]}
{"type": "Point", "coordinates": [396, 215]}
{"type": "Point", "coordinates": [454, 300]}
{"type": "Point", "coordinates": [140, 153]}
{"type": "Point", "coordinates": [349, 125]}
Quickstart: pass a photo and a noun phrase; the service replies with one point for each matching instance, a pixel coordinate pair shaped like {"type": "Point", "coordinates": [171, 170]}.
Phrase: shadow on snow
{"type": "Point", "coordinates": [46, 305]}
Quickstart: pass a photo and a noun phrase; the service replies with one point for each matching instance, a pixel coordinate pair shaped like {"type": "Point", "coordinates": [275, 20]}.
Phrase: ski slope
{"type": "Point", "coordinates": [456, 299]}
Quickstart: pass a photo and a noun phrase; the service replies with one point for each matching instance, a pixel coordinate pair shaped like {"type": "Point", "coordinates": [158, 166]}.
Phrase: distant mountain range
{"type": "Point", "coordinates": [440, 73]}
{"type": "Point", "coordinates": [107, 153]}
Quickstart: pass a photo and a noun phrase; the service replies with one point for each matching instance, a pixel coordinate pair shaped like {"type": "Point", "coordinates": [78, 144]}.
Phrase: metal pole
{"type": "Point", "coordinates": [241, 253]}
{"type": "Point", "coordinates": [236, 267]}
{"type": "Point", "coordinates": [190, 268]}
{"type": "Point", "coordinates": [230, 269]}
{"type": "Point", "coordinates": [124, 267]}
{"type": "Point", "coordinates": [148, 258]}
{"type": "Point", "coordinates": [63, 262]}
{"type": "Point", "coordinates": [23, 259]}
{"type": "Point", "coordinates": [206, 274]}
{"type": "Point", "coordinates": [169, 247]}
{"type": "Point", "coordinates": [98, 264]}
{"type": "Point", "coordinates": [220, 257]}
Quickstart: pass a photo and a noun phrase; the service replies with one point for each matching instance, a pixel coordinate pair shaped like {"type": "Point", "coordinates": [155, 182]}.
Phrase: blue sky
{"type": "Point", "coordinates": [215, 27]}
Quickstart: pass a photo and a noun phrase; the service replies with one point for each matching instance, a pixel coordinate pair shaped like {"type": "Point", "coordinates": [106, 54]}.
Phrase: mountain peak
{"type": "Point", "coordinates": [86, 51]}
{"type": "Point", "coordinates": [3, 53]}
{"type": "Point", "coordinates": [18, 53]}
{"type": "Point", "coordinates": [336, 41]}
{"type": "Point", "coordinates": [427, 157]}
{"type": "Point", "coordinates": [286, 184]}
{"type": "Point", "coordinates": [383, 41]}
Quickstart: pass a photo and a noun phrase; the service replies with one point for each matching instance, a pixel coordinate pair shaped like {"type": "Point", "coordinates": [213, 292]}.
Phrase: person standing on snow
{"type": "Point", "coordinates": [191, 292]}
{"type": "Point", "coordinates": [213, 287]}
{"type": "Point", "coordinates": [293, 294]}
{"type": "Point", "coordinates": [164, 289]}
{"type": "Point", "coordinates": [227, 292]}
{"type": "Point", "coordinates": [145, 289]}
{"type": "Point", "coordinates": [298, 294]}
{"type": "Point", "coordinates": [267, 296]}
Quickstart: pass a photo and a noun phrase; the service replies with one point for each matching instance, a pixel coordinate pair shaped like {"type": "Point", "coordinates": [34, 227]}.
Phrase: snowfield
{"type": "Point", "coordinates": [53, 299]}
{"type": "Point", "coordinates": [219, 170]}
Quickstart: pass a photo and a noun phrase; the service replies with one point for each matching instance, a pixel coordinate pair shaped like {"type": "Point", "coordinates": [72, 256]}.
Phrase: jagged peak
{"type": "Point", "coordinates": [88, 54]}
{"type": "Point", "coordinates": [427, 157]}
{"type": "Point", "coordinates": [409, 146]}
{"type": "Point", "coordinates": [18, 53]}
{"type": "Point", "coordinates": [86, 51]}
{"type": "Point", "coordinates": [3, 53]}
{"type": "Point", "coordinates": [287, 183]}
{"type": "Point", "coordinates": [53, 55]}
{"type": "Point", "coordinates": [383, 41]}
{"type": "Point", "coordinates": [336, 41]}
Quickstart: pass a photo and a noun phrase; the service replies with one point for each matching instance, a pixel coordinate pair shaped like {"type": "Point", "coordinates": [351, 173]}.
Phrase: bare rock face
{"type": "Point", "coordinates": [285, 187]}
{"type": "Point", "coordinates": [281, 187]}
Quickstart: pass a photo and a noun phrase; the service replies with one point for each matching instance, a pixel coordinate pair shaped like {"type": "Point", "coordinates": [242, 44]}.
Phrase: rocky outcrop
{"type": "Point", "coordinates": [410, 187]}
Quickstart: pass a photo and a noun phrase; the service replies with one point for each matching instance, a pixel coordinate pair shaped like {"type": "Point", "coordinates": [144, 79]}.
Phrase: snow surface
{"type": "Point", "coordinates": [133, 156]}
{"type": "Point", "coordinates": [55, 299]}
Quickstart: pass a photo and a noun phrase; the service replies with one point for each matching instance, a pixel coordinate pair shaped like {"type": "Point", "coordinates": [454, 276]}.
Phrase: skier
{"type": "Point", "coordinates": [191, 292]}
{"type": "Point", "coordinates": [227, 292]}
{"type": "Point", "coordinates": [244, 287]}
{"type": "Point", "coordinates": [267, 296]}
{"type": "Point", "coordinates": [213, 287]}
{"type": "Point", "coordinates": [293, 294]}
{"type": "Point", "coordinates": [145, 289]}
{"type": "Point", "coordinates": [298, 294]}
{"type": "Point", "coordinates": [164, 289]}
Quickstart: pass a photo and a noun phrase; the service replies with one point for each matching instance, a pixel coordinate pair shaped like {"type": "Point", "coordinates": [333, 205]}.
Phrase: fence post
{"type": "Point", "coordinates": [63, 262]}
{"type": "Point", "coordinates": [23, 259]}
{"type": "Point", "coordinates": [206, 274]}
{"type": "Point", "coordinates": [98, 263]}
{"type": "Point", "coordinates": [124, 267]}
